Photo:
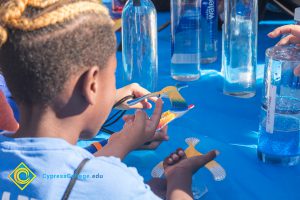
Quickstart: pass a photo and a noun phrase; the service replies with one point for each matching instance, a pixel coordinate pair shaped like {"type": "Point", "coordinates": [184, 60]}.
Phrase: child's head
{"type": "Point", "coordinates": [59, 55]}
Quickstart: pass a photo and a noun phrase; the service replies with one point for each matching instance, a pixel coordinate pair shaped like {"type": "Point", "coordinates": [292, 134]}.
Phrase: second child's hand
{"type": "Point", "coordinates": [292, 38]}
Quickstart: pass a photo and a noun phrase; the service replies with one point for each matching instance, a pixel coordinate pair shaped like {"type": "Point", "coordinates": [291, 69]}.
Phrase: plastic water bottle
{"type": "Point", "coordinates": [279, 139]}
{"type": "Point", "coordinates": [239, 57]}
{"type": "Point", "coordinates": [139, 43]}
{"type": "Point", "coordinates": [185, 49]}
{"type": "Point", "coordinates": [209, 25]}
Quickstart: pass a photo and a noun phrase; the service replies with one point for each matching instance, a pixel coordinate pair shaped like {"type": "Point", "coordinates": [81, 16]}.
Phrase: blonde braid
{"type": "Point", "coordinates": [41, 3]}
{"type": "Point", "coordinates": [11, 14]}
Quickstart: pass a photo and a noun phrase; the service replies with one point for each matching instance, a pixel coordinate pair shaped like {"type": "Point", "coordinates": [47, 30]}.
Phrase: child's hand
{"type": "Point", "coordinates": [178, 163]}
{"type": "Point", "coordinates": [156, 140]}
{"type": "Point", "coordinates": [136, 90]}
{"type": "Point", "coordinates": [179, 171]}
{"type": "Point", "coordinates": [136, 131]}
{"type": "Point", "coordinates": [293, 38]}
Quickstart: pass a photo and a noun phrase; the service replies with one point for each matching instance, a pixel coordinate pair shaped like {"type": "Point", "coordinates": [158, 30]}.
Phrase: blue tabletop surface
{"type": "Point", "coordinates": [221, 122]}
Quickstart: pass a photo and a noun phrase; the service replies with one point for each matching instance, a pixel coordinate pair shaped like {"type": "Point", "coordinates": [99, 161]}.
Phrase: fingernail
{"type": "Point", "coordinates": [217, 152]}
{"type": "Point", "coordinates": [138, 110]}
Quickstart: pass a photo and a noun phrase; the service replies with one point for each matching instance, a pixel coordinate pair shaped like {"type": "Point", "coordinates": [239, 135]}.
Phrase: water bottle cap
{"type": "Point", "coordinates": [297, 14]}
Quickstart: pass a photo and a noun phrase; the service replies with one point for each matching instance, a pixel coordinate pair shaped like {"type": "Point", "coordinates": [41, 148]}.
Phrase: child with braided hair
{"type": "Point", "coordinates": [58, 58]}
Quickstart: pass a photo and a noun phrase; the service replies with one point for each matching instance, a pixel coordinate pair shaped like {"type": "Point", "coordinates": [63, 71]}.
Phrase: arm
{"type": "Point", "coordinates": [179, 187]}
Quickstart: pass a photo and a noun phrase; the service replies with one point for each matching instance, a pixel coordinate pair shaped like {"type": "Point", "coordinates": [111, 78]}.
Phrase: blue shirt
{"type": "Point", "coordinates": [53, 161]}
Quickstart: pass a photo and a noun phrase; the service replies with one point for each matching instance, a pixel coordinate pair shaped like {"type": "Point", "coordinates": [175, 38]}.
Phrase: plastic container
{"type": "Point", "coordinates": [239, 57]}
{"type": "Point", "coordinates": [139, 43]}
{"type": "Point", "coordinates": [280, 110]}
{"type": "Point", "coordinates": [185, 44]}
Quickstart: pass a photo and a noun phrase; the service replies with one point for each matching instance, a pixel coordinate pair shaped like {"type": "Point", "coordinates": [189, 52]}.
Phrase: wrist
{"type": "Point", "coordinates": [175, 176]}
{"type": "Point", "coordinates": [179, 185]}
{"type": "Point", "coordinates": [178, 173]}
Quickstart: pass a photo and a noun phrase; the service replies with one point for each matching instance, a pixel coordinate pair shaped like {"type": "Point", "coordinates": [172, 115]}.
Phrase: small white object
{"type": "Point", "coordinates": [271, 106]}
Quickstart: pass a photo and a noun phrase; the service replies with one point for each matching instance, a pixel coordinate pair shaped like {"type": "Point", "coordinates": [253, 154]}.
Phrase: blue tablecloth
{"type": "Point", "coordinates": [221, 122]}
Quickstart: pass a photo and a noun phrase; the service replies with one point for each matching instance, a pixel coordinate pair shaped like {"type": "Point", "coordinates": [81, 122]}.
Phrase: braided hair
{"type": "Point", "coordinates": [44, 42]}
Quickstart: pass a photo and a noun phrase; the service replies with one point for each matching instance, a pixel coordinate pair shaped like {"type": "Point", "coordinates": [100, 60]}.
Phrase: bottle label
{"type": "Point", "coordinates": [208, 9]}
{"type": "Point", "coordinates": [209, 17]}
{"type": "Point", "coordinates": [271, 106]}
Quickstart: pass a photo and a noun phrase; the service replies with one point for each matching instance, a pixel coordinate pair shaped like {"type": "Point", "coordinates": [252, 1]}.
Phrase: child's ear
{"type": "Point", "coordinates": [91, 85]}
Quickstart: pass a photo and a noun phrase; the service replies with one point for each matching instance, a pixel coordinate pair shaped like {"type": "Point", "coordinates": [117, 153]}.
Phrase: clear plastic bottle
{"type": "Point", "coordinates": [239, 57]}
{"type": "Point", "coordinates": [209, 25]}
{"type": "Point", "coordinates": [279, 139]}
{"type": "Point", "coordinates": [185, 49]}
{"type": "Point", "coordinates": [139, 43]}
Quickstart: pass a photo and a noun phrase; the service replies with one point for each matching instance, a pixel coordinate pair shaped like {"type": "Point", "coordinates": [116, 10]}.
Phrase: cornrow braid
{"type": "Point", "coordinates": [44, 42]}
{"type": "Point", "coordinates": [11, 14]}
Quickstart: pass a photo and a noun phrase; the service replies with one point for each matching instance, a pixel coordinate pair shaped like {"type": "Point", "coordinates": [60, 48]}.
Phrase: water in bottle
{"type": "Point", "coordinates": [139, 43]}
{"type": "Point", "coordinates": [185, 49]}
{"type": "Point", "coordinates": [280, 111]}
{"type": "Point", "coordinates": [209, 25]}
{"type": "Point", "coordinates": [239, 57]}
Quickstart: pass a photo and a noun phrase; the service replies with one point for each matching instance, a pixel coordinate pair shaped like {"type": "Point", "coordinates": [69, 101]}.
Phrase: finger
{"type": "Point", "coordinates": [156, 115]}
{"type": "Point", "coordinates": [181, 153]}
{"type": "Point", "coordinates": [168, 161]}
{"type": "Point", "coordinates": [128, 117]}
{"type": "Point", "coordinates": [290, 39]}
{"type": "Point", "coordinates": [140, 119]}
{"type": "Point", "coordinates": [137, 106]}
{"type": "Point", "coordinates": [146, 104]}
{"type": "Point", "coordinates": [153, 99]}
{"type": "Point", "coordinates": [164, 131]}
{"type": "Point", "coordinates": [200, 161]}
{"type": "Point", "coordinates": [175, 157]}
{"type": "Point", "coordinates": [160, 136]}
{"type": "Point", "coordinates": [287, 29]}
{"type": "Point", "coordinates": [128, 124]}
{"type": "Point", "coordinates": [139, 91]}
{"type": "Point", "coordinates": [297, 71]}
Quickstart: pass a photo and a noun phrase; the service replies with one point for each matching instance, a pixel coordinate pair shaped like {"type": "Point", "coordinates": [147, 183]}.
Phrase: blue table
{"type": "Point", "coordinates": [221, 122]}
